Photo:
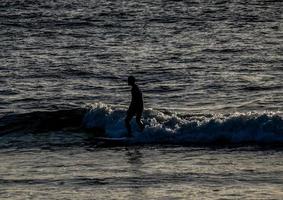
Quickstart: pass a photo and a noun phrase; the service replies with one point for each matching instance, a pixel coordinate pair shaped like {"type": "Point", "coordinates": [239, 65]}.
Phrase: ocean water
{"type": "Point", "coordinates": [211, 74]}
{"type": "Point", "coordinates": [141, 173]}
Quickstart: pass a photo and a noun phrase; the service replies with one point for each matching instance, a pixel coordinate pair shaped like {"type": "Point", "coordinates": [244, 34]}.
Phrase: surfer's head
{"type": "Point", "coordinates": [131, 80]}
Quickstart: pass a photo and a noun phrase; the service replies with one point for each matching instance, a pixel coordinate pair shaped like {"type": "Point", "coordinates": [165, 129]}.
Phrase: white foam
{"type": "Point", "coordinates": [171, 128]}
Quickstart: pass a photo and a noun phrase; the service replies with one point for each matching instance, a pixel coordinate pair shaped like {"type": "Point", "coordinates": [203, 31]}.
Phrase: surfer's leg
{"type": "Point", "coordinates": [138, 120]}
{"type": "Point", "coordinates": [127, 122]}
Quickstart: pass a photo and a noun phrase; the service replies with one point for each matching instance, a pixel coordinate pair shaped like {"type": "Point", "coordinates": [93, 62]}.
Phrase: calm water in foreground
{"type": "Point", "coordinates": [141, 173]}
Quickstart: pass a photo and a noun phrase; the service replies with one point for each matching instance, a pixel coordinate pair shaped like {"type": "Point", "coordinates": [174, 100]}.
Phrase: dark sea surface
{"type": "Point", "coordinates": [191, 56]}
{"type": "Point", "coordinates": [211, 73]}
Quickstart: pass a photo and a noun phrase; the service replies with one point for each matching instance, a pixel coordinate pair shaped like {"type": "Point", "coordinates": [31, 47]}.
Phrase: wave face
{"type": "Point", "coordinates": [171, 128]}
{"type": "Point", "coordinates": [162, 127]}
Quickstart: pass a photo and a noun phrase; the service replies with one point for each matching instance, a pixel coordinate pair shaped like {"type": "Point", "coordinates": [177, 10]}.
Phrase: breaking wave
{"type": "Point", "coordinates": [162, 127]}
{"type": "Point", "coordinates": [173, 128]}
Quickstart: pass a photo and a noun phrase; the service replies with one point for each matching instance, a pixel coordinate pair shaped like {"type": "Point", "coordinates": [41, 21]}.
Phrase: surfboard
{"type": "Point", "coordinates": [114, 141]}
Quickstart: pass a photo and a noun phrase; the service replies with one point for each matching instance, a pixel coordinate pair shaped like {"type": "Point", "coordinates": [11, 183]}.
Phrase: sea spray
{"type": "Point", "coordinates": [233, 128]}
{"type": "Point", "coordinates": [160, 126]}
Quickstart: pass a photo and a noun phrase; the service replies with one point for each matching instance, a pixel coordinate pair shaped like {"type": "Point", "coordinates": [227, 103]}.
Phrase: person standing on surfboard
{"type": "Point", "coordinates": [136, 106]}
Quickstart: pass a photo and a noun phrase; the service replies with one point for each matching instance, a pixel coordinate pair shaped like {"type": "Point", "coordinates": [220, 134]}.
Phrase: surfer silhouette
{"type": "Point", "coordinates": [136, 106]}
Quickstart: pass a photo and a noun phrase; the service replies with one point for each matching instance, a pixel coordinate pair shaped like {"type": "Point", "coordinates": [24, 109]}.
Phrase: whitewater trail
{"type": "Point", "coordinates": [83, 125]}
{"type": "Point", "coordinates": [166, 127]}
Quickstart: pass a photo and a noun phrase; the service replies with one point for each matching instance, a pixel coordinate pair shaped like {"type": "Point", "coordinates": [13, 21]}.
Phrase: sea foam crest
{"type": "Point", "coordinates": [168, 127]}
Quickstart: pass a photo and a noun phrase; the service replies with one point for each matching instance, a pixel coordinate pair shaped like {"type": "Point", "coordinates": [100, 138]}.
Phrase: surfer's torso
{"type": "Point", "coordinates": [137, 99]}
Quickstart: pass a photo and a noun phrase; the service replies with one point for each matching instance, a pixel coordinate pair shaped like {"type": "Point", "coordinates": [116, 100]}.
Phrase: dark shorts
{"type": "Point", "coordinates": [134, 112]}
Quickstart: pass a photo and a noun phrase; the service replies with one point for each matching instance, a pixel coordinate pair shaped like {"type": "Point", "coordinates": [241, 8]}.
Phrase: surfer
{"type": "Point", "coordinates": [136, 106]}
